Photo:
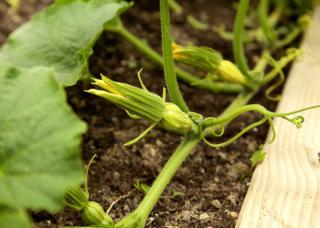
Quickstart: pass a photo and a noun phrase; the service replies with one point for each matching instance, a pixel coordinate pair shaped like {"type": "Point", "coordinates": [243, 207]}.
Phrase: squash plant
{"type": "Point", "coordinates": [52, 51]}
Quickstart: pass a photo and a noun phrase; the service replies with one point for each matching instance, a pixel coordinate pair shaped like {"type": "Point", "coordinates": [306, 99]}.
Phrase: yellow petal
{"type": "Point", "coordinates": [106, 84]}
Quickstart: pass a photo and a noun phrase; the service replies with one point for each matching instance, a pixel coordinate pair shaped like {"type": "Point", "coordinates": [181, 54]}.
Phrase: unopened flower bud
{"type": "Point", "coordinates": [175, 120]}
{"type": "Point", "coordinates": [201, 57]}
{"type": "Point", "coordinates": [230, 72]}
{"type": "Point", "coordinates": [209, 60]}
{"type": "Point", "coordinates": [93, 214]}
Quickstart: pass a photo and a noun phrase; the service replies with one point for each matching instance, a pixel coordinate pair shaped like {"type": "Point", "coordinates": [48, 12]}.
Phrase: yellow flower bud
{"type": "Point", "coordinates": [230, 72]}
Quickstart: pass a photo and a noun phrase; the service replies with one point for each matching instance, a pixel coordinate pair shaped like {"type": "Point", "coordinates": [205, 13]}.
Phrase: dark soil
{"type": "Point", "coordinates": [213, 181]}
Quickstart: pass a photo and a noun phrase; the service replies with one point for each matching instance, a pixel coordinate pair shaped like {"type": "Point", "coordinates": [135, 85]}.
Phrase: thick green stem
{"type": "Point", "coordinates": [232, 113]}
{"type": "Point", "coordinates": [239, 33]}
{"type": "Point", "coordinates": [146, 50]}
{"type": "Point", "coordinates": [169, 68]}
{"type": "Point", "coordinates": [242, 99]}
{"type": "Point", "coordinates": [166, 174]}
{"type": "Point", "coordinates": [139, 216]}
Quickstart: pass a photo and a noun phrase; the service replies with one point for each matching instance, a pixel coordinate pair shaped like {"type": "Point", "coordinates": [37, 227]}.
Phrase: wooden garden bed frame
{"type": "Point", "coordinates": [285, 188]}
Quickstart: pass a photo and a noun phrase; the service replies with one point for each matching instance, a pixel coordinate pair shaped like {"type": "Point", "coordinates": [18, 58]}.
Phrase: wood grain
{"type": "Point", "coordinates": [285, 188]}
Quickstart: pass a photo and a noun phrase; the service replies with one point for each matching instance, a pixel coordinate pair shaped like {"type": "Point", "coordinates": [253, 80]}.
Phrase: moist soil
{"type": "Point", "coordinates": [208, 190]}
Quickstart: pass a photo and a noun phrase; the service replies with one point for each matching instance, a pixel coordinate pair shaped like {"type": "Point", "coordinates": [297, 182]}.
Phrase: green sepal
{"type": "Point", "coordinates": [76, 198]}
{"type": "Point", "coordinates": [93, 214]}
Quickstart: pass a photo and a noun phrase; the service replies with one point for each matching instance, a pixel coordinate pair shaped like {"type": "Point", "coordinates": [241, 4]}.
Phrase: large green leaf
{"type": "Point", "coordinates": [61, 37]}
{"type": "Point", "coordinates": [39, 140]}
{"type": "Point", "coordinates": [13, 219]}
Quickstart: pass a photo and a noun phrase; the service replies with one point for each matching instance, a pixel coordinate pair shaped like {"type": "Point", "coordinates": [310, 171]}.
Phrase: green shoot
{"type": "Point", "coordinates": [257, 157]}
{"type": "Point", "coordinates": [176, 194]}
{"type": "Point", "coordinates": [195, 23]}
{"type": "Point", "coordinates": [142, 187]}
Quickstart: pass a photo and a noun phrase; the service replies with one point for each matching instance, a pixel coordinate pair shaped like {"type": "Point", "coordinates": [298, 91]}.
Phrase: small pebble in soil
{"type": "Point", "coordinates": [319, 156]}
{"type": "Point", "coordinates": [216, 203]}
{"type": "Point", "coordinates": [126, 208]}
{"type": "Point", "coordinates": [233, 198]}
{"type": "Point", "coordinates": [223, 156]}
{"type": "Point", "coordinates": [232, 214]}
{"type": "Point", "coordinates": [186, 215]}
{"type": "Point", "coordinates": [204, 217]}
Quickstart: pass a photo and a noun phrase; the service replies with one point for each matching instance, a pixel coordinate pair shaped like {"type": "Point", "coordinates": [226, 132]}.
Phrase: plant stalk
{"type": "Point", "coordinates": [169, 69]}
{"type": "Point", "coordinates": [140, 215]}
{"type": "Point", "coordinates": [239, 34]}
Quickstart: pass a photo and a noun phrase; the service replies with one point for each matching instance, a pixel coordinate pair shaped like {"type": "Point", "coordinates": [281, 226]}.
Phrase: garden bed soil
{"type": "Point", "coordinates": [213, 182]}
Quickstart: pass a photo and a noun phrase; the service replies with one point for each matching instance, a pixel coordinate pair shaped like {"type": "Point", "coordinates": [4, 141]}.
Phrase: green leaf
{"type": "Point", "coordinates": [257, 157]}
{"type": "Point", "coordinates": [39, 140]}
{"type": "Point", "coordinates": [14, 219]}
{"type": "Point", "coordinates": [61, 36]}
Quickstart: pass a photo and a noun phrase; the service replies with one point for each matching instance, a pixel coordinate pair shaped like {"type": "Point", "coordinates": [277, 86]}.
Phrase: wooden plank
{"type": "Point", "coordinates": [285, 188]}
